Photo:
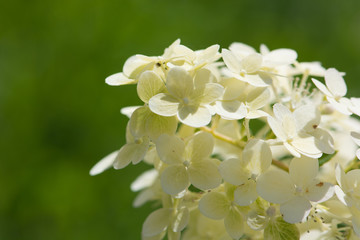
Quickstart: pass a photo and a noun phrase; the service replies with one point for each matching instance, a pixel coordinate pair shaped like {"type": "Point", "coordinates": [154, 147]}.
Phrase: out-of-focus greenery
{"type": "Point", "coordinates": [58, 117]}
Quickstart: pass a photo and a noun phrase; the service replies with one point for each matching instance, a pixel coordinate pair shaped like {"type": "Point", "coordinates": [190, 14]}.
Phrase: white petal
{"type": "Point", "coordinates": [324, 141]}
{"type": "Point", "coordinates": [212, 92]}
{"type": "Point", "coordinates": [335, 82]}
{"type": "Point", "coordinates": [170, 149]}
{"type": "Point", "coordinates": [252, 63]}
{"type": "Point", "coordinates": [257, 156]}
{"type": "Point", "coordinates": [234, 224]}
{"type": "Point", "coordinates": [156, 222]}
{"type": "Point", "coordinates": [320, 192]}
{"type": "Point", "coordinates": [143, 197]}
{"type": "Point", "coordinates": [293, 151]}
{"type": "Point", "coordinates": [280, 111]}
{"type": "Point", "coordinates": [355, 220]}
{"type": "Point", "coordinates": [277, 128]}
{"type": "Point", "coordinates": [179, 83]}
{"type": "Point", "coordinates": [194, 117]}
{"type": "Point", "coordinates": [157, 125]}
{"type": "Point", "coordinates": [341, 106]}
{"type": "Point", "coordinates": [131, 152]}
{"type": "Point", "coordinates": [174, 179]}
{"type": "Point", "coordinates": [136, 64]}
{"type": "Point", "coordinates": [322, 87]}
{"type": "Point", "coordinates": [295, 210]}
{"type": "Point", "coordinates": [356, 137]}
{"type": "Point", "coordinates": [231, 61]}
{"type": "Point", "coordinates": [214, 205]}
{"type": "Point", "coordinates": [164, 105]}
{"type": "Point", "coordinates": [204, 175]}
{"type": "Point", "coordinates": [307, 117]}
{"type": "Point", "coordinates": [233, 172]}
{"type": "Point", "coordinates": [104, 164]}
{"type": "Point", "coordinates": [358, 154]}
{"type": "Point", "coordinates": [258, 98]}
{"type": "Point", "coordinates": [241, 49]}
{"type": "Point", "coordinates": [231, 109]}
{"type": "Point", "coordinates": [275, 186]}
{"type": "Point", "coordinates": [303, 171]}
{"type": "Point", "coordinates": [341, 195]}
{"type": "Point", "coordinates": [118, 79]}
{"type": "Point", "coordinates": [340, 176]}
{"type": "Point", "coordinates": [146, 179]}
{"type": "Point", "coordinates": [128, 111]}
{"type": "Point", "coordinates": [181, 219]}
{"type": "Point", "coordinates": [149, 85]}
{"type": "Point", "coordinates": [306, 145]}
{"type": "Point", "coordinates": [245, 194]}
{"type": "Point", "coordinates": [280, 57]}
{"type": "Point", "coordinates": [258, 80]}
{"type": "Point", "coordinates": [355, 106]}
{"type": "Point", "coordinates": [200, 146]}
{"type": "Point", "coordinates": [137, 123]}
{"type": "Point", "coordinates": [233, 88]}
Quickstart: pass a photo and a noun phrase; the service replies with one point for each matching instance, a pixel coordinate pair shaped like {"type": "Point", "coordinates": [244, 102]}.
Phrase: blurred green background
{"type": "Point", "coordinates": [58, 117]}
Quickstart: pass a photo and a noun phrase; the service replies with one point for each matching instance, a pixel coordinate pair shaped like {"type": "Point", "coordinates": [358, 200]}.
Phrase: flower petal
{"type": "Point", "coordinates": [164, 104]}
{"type": "Point", "coordinates": [204, 175]}
{"type": "Point", "coordinates": [104, 164]}
{"type": "Point", "coordinates": [335, 82]}
{"type": "Point", "coordinates": [277, 128]}
{"type": "Point", "coordinates": [200, 146]}
{"type": "Point", "coordinates": [231, 61]}
{"type": "Point", "coordinates": [149, 85]}
{"type": "Point", "coordinates": [322, 87]}
{"type": "Point", "coordinates": [214, 205]}
{"type": "Point", "coordinates": [136, 64]}
{"type": "Point", "coordinates": [156, 222]}
{"type": "Point", "coordinates": [275, 186]}
{"type": "Point", "coordinates": [306, 145]}
{"type": "Point", "coordinates": [179, 83]}
{"type": "Point", "coordinates": [174, 179]}
{"type": "Point", "coordinates": [303, 171]}
{"type": "Point", "coordinates": [180, 220]}
{"type": "Point", "coordinates": [307, 118]}
{"type": "Point", "coordinates": [257, 156]}
{"type": "Point", "coordinates": [280, 57]}
{"type": "Point", "coordinates": [246, 193]}
{"type": "Point", "coordinates": [233, 172]}
{"type": "Point", "coordinates": [118, 79]}
{"type": "Point", "coordinates": [356, 137]}
{"type": "Point", "coordinates": [212, 92]}
{"type": "Point", "coordinates": [194, 117]}
{"type": "Point", "coordinates": [157, 125]}
{"type": "Point", "coordinates": [320, 192]}
{"type": "Point", "coordinates": [234, 224]}
{"type": "Point", "coordinates": [252, 63]}
{"type": "Point", "coordinates": [170, 149]}
{"type": "Point", "coordinates": [131, 152]}
{"type": "Point", "coordinates": [145, 180]}
{"type": "Point", "coordinates": [295, 210]}
{"type": "Point", "coordinates": [280, 111]}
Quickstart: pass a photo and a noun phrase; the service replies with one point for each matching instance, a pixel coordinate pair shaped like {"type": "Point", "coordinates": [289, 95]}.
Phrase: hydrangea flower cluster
{"type": "Point", "coordinates": [243, 145]}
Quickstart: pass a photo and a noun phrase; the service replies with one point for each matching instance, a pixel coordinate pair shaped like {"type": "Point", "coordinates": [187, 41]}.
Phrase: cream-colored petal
{"type": "Point", "coordinates": [258, 98]}
{"type": "Point", "coordinates": [157, 125]}
{"type": "Point", "coordinates": [194, 116]}
{"type": "Point", "coordinates": [320, 192]}
{"type": "Point", "coordinates": [280, 57]}
{"type": "Point", "coordinates": [341, 106]}
{"type": "Point", "coordinates": [340, 176]}
{"type": "Point", "coordinates": [118, 79]}
{"type": "Point", "coordinates": [180, 220]}
{"type": "Point", "coordinates": [241, 49]}
{"type": "Point", "coordinates": [179, 83]}
{"type": "Point", "coordinates": [335, 82]}
{"type": "Point", "coordinates": [355, 105]}
{"type": "Point", "coordinates": [293, 151]}
{"type": "Point", "coordinates": [306, 145]}
{"type": "Point", "coordinates": [231, 61]}
{"type": "Point", "coordinates": [356, 137]}
{"type": "Point", "coordinates": [303, 171]}
{"type": "Point", "coordinates": [136, 64]}
{"type": "Point", "coordinates": [296, 209]}
{"type": "Point", "coordinates": [174, 179]}
{"type": "Point", "coordinates": [131, 152]}
{"type": "Point", "coordinates": [200, 146]}
{"type": "Point", "coordinates": [156, 222]}
{"type": "Point", "coordinates": [233, 88]}
{"type": "Point", "coordinates": [137, 123]}
{"type": "Point", "coordinates": [322, 87]}
{"type": "Point", "coordinates": [204, 174]}
{"type": "Point", "coordinates": [104, 163]}
{"type": "Point", "coordinates": [143, 197]}
{"type": "Point", "coordinates": [277, 128]}
{"type": "Point", "coordinates": [145, 180]}
{"type": "Point", "coordinates": [280, 111]}
{"type": "Point", "coordinates": [214, 205]}
{"type": "Point", "coordinates": [212, 92]}
{"type": "Point", "coordinates": [233, 172]}
{"type": "Point", "coordinates": [252, 63]}
{"type": "Point", "coordinates": [234, 224]}
{"type": "Point", "coordinates": [275, 186]}
{"type": "Point", "coordinates": [257, 156]}
{"type": "Point", "coordinates": [324, 141]}
{"type": "Point", "coordinates": [341, 195]}
{"type": "Point", "coordinates": [307, 117]}
{"type": "Point", "coordinates": [170, 149]}
{"type": "Point", "coordinates": [246, 193]}
{"type": "Point", "coordinates": [258, 80]}
{"type": "Point", "coordinates": [355, 220]}
{"type": "Point", "coordinates": [164, 104]}
{"type": "Point", "coordinates": [149, 85]}
{"type": "Point", "coordinates": [231, 109]}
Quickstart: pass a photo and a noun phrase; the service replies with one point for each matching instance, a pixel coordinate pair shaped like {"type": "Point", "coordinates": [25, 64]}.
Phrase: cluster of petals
{"type": "Point", "coordinates": [242, 144]}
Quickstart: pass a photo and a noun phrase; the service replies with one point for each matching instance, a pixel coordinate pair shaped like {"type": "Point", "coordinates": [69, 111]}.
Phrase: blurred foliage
{"type": "Point", "coordinates": [58, 117]}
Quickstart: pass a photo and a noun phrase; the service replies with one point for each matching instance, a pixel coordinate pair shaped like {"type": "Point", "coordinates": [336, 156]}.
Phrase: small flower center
{"type": "Point", "coordinates": [186, 163]}
{"type": "Point", "coordinates": [186, 100]}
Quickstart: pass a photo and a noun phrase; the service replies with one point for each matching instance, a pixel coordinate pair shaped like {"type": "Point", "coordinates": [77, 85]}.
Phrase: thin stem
{"type": "Point", "coordinates": [224, 138]}
{"type": "Point", "coordinates": [280, 165]}
{"type": "Point", "coordinates": [247, 128]}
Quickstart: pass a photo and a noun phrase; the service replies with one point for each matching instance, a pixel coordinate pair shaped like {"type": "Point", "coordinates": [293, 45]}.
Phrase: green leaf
{"type": "Point", "coordinates": [325, 158]}
{"type": "Point", "coordinates": [278, 229]}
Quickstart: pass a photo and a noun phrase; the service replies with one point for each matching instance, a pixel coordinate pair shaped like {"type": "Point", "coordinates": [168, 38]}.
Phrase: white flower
{"type": "Point", "coordinates": [287, 127]}
{"type": "Point", "coordinates": [187, 97]}
{"type": "Point", "coordinates": [335, 90]}
{"type": "Point", "coordinates": [188, 163]}
{"type": "Point", "coordinates": [356, 137]}
{"type": "Point", "coordinates": [355, 105]}
{"type": "Point", "coordinates": [243, 172]}
{"type": "Point", "coordinates": [295, 191]}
